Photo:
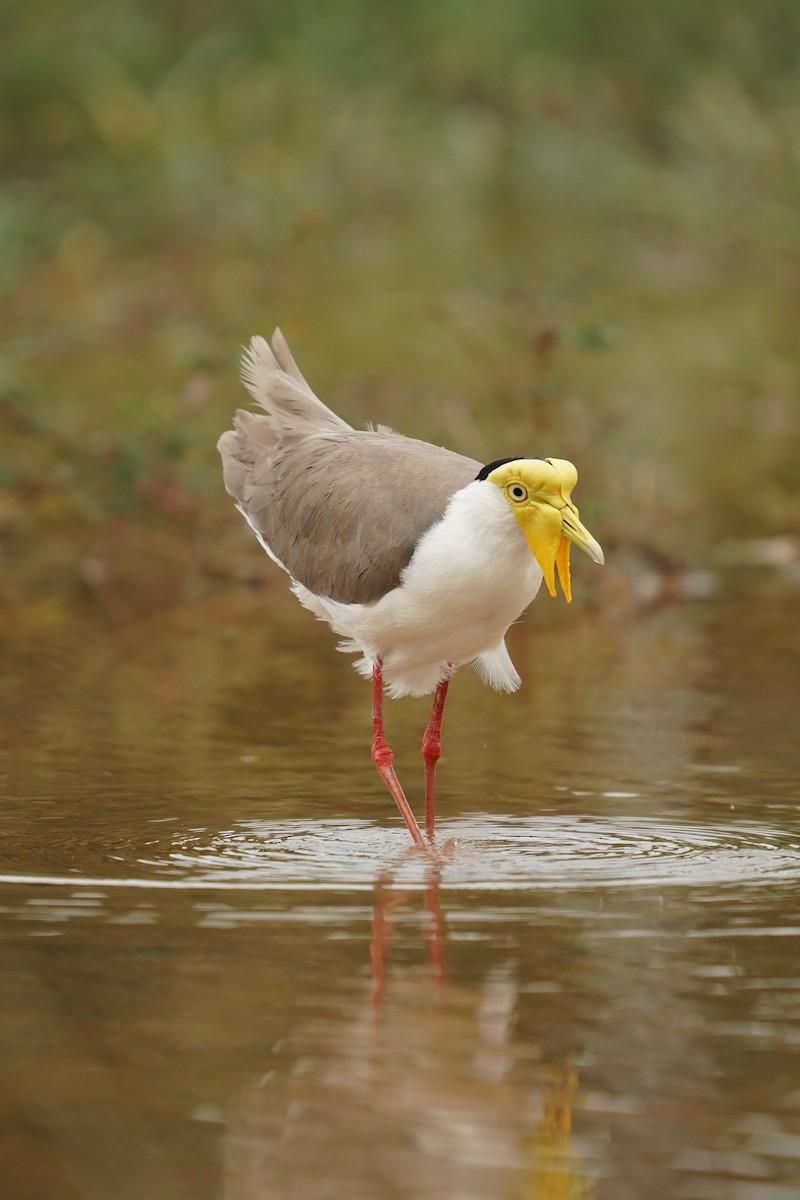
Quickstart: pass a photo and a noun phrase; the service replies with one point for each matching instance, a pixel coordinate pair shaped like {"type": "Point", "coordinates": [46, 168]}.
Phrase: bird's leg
{"type": "Point", "coordinates": [431, 752]}
{"type": "Point", "coordinates": [383, 757]}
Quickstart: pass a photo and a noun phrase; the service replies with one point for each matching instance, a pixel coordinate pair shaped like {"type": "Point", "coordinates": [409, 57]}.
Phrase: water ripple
{"type": "Point", "coordinates": [480, 852]}
{"type": "Point", "coordinates": [490, 852]}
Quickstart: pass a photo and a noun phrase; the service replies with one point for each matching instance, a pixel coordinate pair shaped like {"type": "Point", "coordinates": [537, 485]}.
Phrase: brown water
{"type": "Point", "coordinates": [225, 976]}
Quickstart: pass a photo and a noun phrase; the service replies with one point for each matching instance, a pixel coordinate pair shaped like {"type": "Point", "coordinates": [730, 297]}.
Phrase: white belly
{"type": "Point", "coordinates": [471, 576]}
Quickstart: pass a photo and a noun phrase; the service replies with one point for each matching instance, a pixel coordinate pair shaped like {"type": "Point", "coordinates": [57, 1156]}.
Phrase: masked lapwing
{"type": "Point", "coordinates": [417, 557]}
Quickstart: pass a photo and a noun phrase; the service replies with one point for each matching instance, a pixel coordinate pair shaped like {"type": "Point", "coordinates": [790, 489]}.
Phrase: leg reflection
{"type": "Point", "coordinates": [387, 907]}
{"type": "Point", "coordinates": [411, 1076]}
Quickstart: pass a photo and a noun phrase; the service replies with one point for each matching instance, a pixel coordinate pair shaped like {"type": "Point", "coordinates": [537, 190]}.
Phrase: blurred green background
{"type": "Point", "coordinates": [561, 227]}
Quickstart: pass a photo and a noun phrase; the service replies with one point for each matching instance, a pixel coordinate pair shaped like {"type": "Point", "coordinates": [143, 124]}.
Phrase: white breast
{"type": "Point", "coordinates": [471, 576]}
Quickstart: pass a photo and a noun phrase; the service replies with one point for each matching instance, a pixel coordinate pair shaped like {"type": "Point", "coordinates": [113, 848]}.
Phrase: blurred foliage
{"type": "Point", "coordinates": [553, 226]}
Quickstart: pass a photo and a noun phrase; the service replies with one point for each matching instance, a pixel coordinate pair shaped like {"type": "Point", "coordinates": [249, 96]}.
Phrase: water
{"type": "Point", "coordinates": [226, 975]}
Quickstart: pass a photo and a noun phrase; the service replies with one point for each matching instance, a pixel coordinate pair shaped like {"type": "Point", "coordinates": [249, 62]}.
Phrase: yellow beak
{"type": "Point", "coordinates": [548, 531]}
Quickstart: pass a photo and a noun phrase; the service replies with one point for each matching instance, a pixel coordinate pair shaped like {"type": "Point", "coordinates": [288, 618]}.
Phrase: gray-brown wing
{"type": "Point", "coordinates": [342, 512]}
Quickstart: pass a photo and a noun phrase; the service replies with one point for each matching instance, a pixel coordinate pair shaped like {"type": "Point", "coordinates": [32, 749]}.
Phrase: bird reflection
{"type": "Point", "coordinates": [390, 901]}
{"type": "Point", "coordinates": [414, 1087]}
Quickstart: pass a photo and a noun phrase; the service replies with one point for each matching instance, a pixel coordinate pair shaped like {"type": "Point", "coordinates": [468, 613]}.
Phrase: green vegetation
{"type": "Point", "coordinates": [569, 226]}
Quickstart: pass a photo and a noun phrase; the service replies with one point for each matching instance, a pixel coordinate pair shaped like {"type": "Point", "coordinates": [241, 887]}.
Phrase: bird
{"type": "Point", "coordinates": [418, 557]}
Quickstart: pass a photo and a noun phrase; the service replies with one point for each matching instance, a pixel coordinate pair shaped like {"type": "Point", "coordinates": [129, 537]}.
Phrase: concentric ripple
{"type": "Point", "coordinates": [490, 853]}
{"type": "Point", "coordinates": [480, 852]}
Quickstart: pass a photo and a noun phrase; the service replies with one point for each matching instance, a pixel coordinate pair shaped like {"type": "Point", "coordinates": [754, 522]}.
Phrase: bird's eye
{"type": "Point", "coordinates": [518, 492]}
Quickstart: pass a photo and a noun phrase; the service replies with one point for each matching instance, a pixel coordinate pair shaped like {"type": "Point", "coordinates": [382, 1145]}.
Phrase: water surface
{"type": "Point", "coordinates": [225, 975]}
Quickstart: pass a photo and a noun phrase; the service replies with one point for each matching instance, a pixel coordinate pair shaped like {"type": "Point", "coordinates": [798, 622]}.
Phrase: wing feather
{"type": "Point", "coordinates": [341, 509]}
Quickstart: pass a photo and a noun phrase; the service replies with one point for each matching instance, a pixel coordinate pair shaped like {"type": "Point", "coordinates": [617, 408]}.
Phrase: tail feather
{"type": "Point", "coordinates": [252, 451]}
{"type": "Point", "coordinates": [273, 379]}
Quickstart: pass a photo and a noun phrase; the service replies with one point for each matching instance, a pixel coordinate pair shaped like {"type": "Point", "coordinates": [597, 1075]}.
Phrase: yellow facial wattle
{"type": "Point", "coordinates": [562, 565]}
{"type": "Point", "coordinates": [538, 492]}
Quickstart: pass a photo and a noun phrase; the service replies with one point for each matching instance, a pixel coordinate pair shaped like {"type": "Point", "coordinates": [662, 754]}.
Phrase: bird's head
{"type": "Point", "coordinates": [538, 491]}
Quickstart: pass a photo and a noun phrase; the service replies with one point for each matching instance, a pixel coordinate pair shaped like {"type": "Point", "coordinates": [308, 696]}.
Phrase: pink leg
{"type": "Point", "coordinates": [383, 757]}
{"type": "Point", "coordinates": [431, 751]}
